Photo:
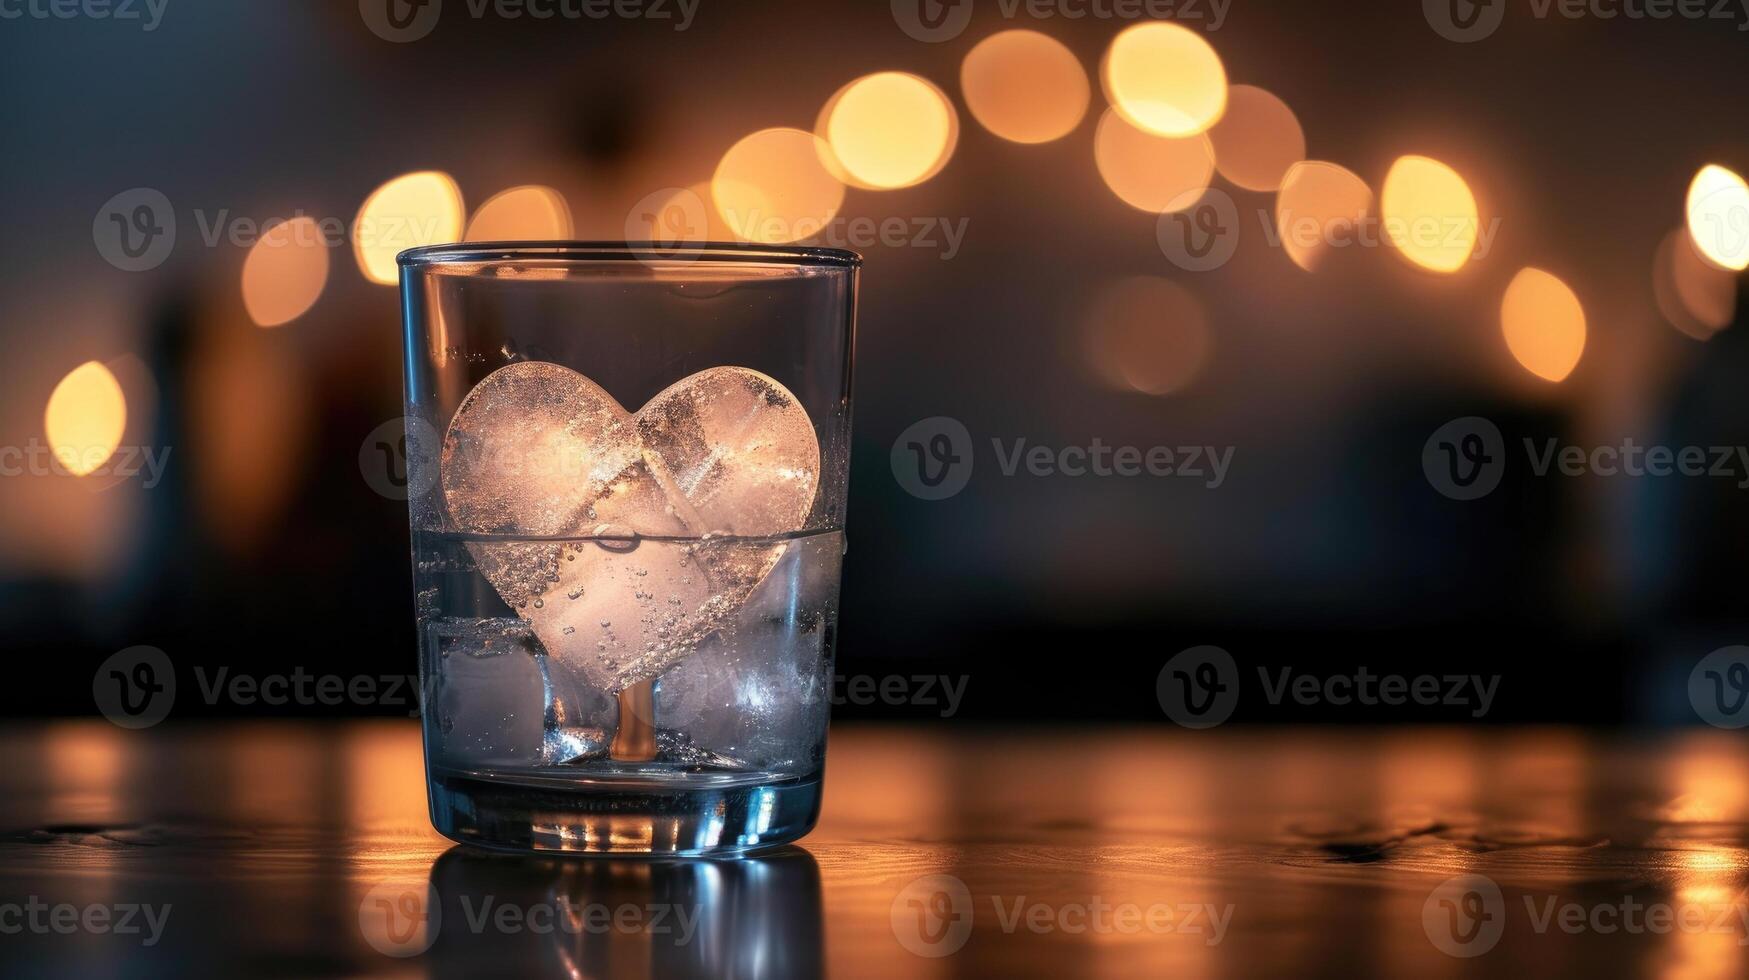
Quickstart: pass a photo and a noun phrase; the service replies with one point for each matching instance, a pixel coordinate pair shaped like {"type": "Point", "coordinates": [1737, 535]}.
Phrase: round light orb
{"type": "Point", "coordinates": [410, 211]}
{"type": "Point", "coordinates": [773, 188]}
{"type": "Point", "coordinates": [888, 130]}
{"type": "Point", "coordinates": [1152, 173]}
{"type": "Point", "coordinates": [1429, 214]}
{"type": "Point", "coordinates": [1544, 324]}
{"type": "Point", "coordinates": [1165, 79]}
{"type": "Point", "coordinates": [1025, 87]}
{"type": "Point", "coordinates": [1259, 139]}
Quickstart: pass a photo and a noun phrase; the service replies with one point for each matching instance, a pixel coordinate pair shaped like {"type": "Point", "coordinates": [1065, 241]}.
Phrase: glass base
{"type": "Point", "coordinates": [630, 813]}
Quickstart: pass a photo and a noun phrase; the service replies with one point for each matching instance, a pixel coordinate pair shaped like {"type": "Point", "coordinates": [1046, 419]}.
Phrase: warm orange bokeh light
{"type": "Point", "coordinates": [412, 210]}
{"type": "Point", "coordinates": [1695, 296]}
{"type": "Point", "coordinates": [1258, 140]}
{"type": "Point", "coordinates": [773, 187]}
{"type": "Point", "coordinates": [250, 460]}
{"type": "Point", "coordinates": [1145, 334]}
{"type": "Point", "coordinates": [530, 213]}
{"type": "Point", "coordinates": [1718, 217]}
{"type": "Point", "coordinates": [285, 272]}
{"type": "Point", "coordinates": [1148, 172]}
{"type": "Point", "coordinates": [1025, 86]}
{"type": "Point", "coordinates": [1544, 324]}
{"type": "Point", "coordinates": [1320, 207]}
{"type": "Point", "coordinates": [1165, 79]}
{"type": "Point", "coordinates": [888, 130]}
{"type": "Point", "coordinates": [1429, 214]}
{"type": "Point", "coordinates": [85, 418]}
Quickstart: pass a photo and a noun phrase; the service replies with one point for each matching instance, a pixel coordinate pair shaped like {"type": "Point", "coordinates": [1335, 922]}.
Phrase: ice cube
{"type": "Point", "coordinates": [537, 449]}
{"type": "Point", "coordinates": [739, 447]}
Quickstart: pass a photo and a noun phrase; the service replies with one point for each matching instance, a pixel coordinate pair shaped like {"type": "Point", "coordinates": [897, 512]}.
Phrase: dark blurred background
{"type": "Point", "coordinates": [264, 546]}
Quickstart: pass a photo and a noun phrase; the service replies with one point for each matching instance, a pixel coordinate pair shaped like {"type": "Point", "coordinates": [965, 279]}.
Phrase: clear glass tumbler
{"type": "Point", "coordinates": [627, 469]}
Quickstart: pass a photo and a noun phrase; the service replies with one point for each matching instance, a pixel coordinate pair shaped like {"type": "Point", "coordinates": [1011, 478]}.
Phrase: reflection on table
{"type": "Point", "coordinates": [288, 849]}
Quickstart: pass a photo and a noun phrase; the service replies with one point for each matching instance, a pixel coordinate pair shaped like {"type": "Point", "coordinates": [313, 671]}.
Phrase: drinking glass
{"type": "Point", "coordinates": [627, 471]}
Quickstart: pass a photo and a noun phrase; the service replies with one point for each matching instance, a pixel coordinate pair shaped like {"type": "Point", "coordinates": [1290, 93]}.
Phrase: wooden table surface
{"type": "Point", "coordinates": [294, 849]}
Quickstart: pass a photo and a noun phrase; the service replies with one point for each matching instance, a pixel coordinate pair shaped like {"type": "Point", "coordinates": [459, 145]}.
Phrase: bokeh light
{"type": "Point", "coordinates": [412, 210]}
{"type": "Point", "coordinates": [1165, 79]}
{"type": "Point", "coordinates": [1025, 86]}
{"type": "Point", "coordinates": [1152, 173]}
{"type": "Point", "coordinates": [249, 418]}
{"type": "Point", "coordinates": [1718, 217]}
{"type": "Point", "coordinates": [1695, 296]}
{"type": "Point", "coordinates": [1258, 140]}
{"type": "Point", "coordinates": [773, 187]}
{"type": "Point", "coordinates": [285, 272]}
{"type": "Point", "coordinates": [1544, 324]}
{"type": "Point", "coordinates": [1429, 214]}
{"type": "Point", "coordinates": [1320, 207]}
{"type": "Point", "coordinates": [85, 418]}
{"type": "Point", "coordinates": [1145, 334]}
{"type": "Point", "coordinates": [529, 213]}
{"type": "Point", "coordinates": [888, 130]}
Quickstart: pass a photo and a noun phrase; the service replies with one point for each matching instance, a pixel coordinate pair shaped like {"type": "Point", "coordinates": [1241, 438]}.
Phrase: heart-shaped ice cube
{"type": "Point", "coordinates": [540, 451]}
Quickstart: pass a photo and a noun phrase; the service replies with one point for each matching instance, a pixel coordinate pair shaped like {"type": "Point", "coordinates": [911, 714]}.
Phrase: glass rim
{"type": "Point", "coordinates": [468, 253]}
